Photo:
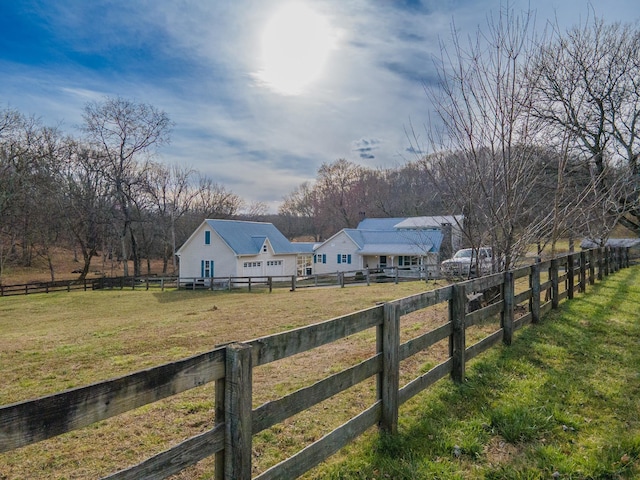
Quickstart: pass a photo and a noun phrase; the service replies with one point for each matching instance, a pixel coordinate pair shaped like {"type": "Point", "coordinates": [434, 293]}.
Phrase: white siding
{"type": "Point", "coordinates": [341, 244]}
{"type": "Point", "coordinates": [194, 251]}
{"type": "Point", "coordinates": [288, 266]}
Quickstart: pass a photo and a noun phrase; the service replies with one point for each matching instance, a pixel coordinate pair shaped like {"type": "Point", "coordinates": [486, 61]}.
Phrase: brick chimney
{"type": "Point", "coordinates": [446, 247]}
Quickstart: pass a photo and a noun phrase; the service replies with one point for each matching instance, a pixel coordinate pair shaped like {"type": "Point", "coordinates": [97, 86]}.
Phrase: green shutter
{"type": "Point", "coordinates": [339, 258]}
{"type": "Point", "coordinates": [349, 259]}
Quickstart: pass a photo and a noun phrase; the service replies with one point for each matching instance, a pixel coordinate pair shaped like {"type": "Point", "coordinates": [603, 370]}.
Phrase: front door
{"type": "Point", "coordinates": [206, 269]}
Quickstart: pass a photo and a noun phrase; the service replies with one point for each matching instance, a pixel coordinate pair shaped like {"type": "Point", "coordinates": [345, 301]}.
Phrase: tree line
{"type": "Point", "coordinates": [533, 137]}
{"type": "Point", "coordinates": [103, 193]}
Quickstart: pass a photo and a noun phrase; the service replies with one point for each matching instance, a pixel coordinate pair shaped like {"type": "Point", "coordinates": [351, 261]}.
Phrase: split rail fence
{"type": "Point", "coordinates": [366, 276]}
{"type": "Point", "coordinates": [230, 367]}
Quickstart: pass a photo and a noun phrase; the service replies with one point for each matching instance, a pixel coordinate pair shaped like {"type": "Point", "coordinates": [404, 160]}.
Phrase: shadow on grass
{"type": "Point", "coordinates": [562, 402]}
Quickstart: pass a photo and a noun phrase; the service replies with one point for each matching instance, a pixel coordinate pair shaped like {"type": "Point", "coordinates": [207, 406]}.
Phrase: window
{"type": "Point", "coordinates": [207, 237]}
{"type": "Point", "coordinates": [344, 258]}
{"type": "Point", "coordinates": [252, 264]}
{"type": "Point", "coordinates": [264, 248]}
{"type": "Point", "coordinates": [274, 263]}
{"type": "Point", "coordinates": [408, 261]}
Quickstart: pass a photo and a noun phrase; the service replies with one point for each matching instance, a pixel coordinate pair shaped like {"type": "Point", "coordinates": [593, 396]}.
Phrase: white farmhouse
{"type": "Point", "coordinates": [233, 248]}
{"type": "Point", "coordinates": [411, 244]}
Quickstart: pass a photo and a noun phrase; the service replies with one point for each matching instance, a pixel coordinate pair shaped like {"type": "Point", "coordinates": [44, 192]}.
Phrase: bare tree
{"type": "Point", "coordinates": [85, 198]}
{"type": "Point", "coordinates": [587, 89]}
{"type": "Point", "coordinates": [213, 200]}
{"type": "Point", "coordinates": [339, 195]}
{"type": "Point", "coordinates": [127, 134]}
{"type": "Point", "coordinates": [172, 193]}
{"type": "Point", "coordinates": [299, 208]}
{"type": "Point", "coordinates": [486, 160]}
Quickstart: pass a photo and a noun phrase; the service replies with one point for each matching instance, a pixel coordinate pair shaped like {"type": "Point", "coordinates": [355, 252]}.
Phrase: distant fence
{"type": "Point", "coordinates": [365, 276]}
{"type": "Point", "coordinates": [352, 277]}
{"type": "Point", "coordinates": [531, 290]}
{"type": "Point", "coordinates": [89, 284]}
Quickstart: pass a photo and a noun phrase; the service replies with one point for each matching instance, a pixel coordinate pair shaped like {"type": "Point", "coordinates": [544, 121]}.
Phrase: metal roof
{"type": "Point", "coordinates": [247, 238]}
{"type": "Point", "coordinates": [379, 223]}
{"type": "Point", "coordinates": [408, 222]}
{"type": "Point", "coordinates": [395, 242]}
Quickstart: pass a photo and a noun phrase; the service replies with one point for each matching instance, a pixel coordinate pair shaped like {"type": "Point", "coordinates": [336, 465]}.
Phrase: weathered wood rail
{"type": "Point", "coordinates": [230, 367]}
{"type": "Point", "coordinates": [250, 283]}
{"type": "Point", "coordinates": [133, 283]}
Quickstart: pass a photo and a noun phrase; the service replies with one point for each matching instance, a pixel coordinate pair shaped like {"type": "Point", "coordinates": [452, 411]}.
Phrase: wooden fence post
{"type": "Point", "coordinates": [397, 274]}
{"type": "Point", "coordinates": [534, 283]}
{"type": "Point", "coordinates": [592, 267]}
{"type": "Point", "coordinates": [390, 382]}
{"type": "Point", "coordinates": [368, 277]}
{"type": "Point", "coordinates": [219, 418]}
{"type": "Point", "coordinates": [553, 276]}
{"type": "Point", "coordinates": [571, 276]}
{"type": "Point", "coordinates": [626, 257]}
{"type": "Point", "coordinates": [237, 418]}
{"type": "Point", "coordinates": [341, 279]}
{"type": "Point", "coordinates": [612, 260]}
{"type": "Point", "coordinates": [270, 283]}
{"type": "Point", "coordinates": [607, 261]}
{"type": "Point", "coordinates": [457, 342]}
{"type": "Point", "coordinates": [600, 262]}
{"type": "Point", "coordinates": [507, 311]}
{"type": "Point", "coordinates": [583, 271]}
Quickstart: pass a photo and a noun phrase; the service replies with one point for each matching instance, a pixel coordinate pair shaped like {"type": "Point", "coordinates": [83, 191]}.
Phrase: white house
{"type": "Point", "coordinates": [233, 248]}
{"type": "Point", "coordinates": [412, 244]}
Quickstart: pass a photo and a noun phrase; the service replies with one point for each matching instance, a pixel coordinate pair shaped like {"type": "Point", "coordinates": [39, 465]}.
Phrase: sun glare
{"type": "Point", "coordinates": [295, 45]}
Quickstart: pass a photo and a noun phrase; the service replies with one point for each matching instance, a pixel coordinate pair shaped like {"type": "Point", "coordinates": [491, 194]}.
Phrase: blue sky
{"type": "Point", "coordinates": [203, 63]}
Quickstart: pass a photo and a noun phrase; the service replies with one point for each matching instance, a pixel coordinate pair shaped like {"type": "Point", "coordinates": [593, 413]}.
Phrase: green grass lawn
{"type": "Point", "coordinates": [562, 402]}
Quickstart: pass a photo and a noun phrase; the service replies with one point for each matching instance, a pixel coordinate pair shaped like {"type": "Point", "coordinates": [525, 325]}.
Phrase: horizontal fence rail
{"type": "Point", "coordinates": [293, 282]}
{"type": "Point", "coordinates": [133, 283]}
{"type": "Point", "coordinates": [511, 299]}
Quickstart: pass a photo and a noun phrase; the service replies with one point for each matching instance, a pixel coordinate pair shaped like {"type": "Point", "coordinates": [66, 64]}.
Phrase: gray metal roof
{"type": "Point", "coordinates": [379, 223]}
{"type": "Point", "coordinates": [247, 238]}
{"type": "Point", "coordinates": [408, 222]}
{"type": "Point", "coordinates": [395, 242]}
{"type": "Point", "coordinates": [304, 247]}
{"type": "Point", "coordinates": [429, 222]}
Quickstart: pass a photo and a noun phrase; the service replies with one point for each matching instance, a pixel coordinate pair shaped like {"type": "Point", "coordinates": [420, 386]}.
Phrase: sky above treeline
{"type": "Point", "coordinates": [261, 92]}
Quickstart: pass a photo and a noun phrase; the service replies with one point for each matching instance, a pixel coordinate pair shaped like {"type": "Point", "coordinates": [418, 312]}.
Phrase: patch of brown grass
{"type": "Point", "coordinates": [65, 263]}
{"type": "Point", "coordinates": [51, 342]}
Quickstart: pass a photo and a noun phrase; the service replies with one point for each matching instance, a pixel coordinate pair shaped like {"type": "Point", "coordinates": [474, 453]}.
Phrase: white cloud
{"type": "Point", "coordinates": [197, 61]}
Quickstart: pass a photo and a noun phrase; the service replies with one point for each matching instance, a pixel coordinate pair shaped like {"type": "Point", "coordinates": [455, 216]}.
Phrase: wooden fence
{"type": "Point", "coordinates": [133, 283]}
{"type": "Point", "coordinates": [532, 290]}
{"type": "Point", "coordinates": [293, 282]}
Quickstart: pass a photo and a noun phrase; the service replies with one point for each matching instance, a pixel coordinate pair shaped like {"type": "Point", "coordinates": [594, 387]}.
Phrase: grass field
{"type": "Point", "coordinates": [564, 398]}
{"type": "Point", "coordinates": [51, 342]}
{"type": "Point", "coordinates": [562, 402]}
